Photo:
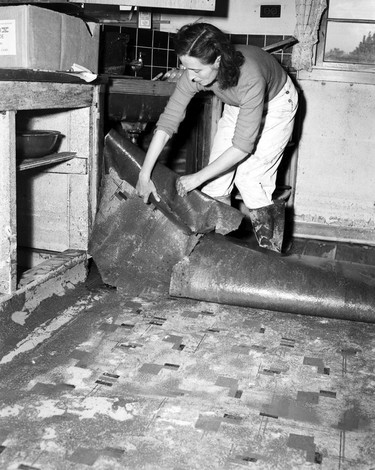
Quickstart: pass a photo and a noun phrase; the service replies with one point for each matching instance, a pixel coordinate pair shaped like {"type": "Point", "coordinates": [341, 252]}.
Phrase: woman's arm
{"type": "Point", "coordinates": [145, 186]}
{"type": "Point", "coordinates": [227, 160]}
{"type": "Point", "coordinates": [167, 125]}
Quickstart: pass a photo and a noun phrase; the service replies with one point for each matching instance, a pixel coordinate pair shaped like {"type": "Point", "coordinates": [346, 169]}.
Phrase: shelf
{"type": "Point", "coordinates": [31, 75]}
{"type": "Point", "coordinates": [51, 207]}
{"type": "Point", "coordinates": [47, 160]}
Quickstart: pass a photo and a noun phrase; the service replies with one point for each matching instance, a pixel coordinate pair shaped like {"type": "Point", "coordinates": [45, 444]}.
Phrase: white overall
{"type": "Point", "coordinates": [255, 177]}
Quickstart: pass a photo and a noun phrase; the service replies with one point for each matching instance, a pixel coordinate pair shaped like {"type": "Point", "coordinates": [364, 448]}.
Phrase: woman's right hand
{"type": "Point", "coordinates": [145, 187]}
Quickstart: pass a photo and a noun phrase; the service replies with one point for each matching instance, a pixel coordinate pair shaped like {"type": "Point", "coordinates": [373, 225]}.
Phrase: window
{"type": "Point", "coordinates": [347, 35]}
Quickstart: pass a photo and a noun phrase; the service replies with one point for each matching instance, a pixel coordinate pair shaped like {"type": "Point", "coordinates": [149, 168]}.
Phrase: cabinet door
{"type": "Point", "coordinates": [181, 4]}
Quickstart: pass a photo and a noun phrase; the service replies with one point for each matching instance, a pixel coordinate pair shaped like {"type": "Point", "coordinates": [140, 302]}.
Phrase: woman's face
{"type": "Point", "coordinates": [205, 74]}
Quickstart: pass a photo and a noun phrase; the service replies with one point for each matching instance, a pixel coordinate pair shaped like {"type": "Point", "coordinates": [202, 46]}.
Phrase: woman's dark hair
{"type": "Point", "coordinates": [206, 42]}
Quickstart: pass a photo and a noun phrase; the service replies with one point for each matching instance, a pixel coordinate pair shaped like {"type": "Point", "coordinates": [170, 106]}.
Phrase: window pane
{"type": "Point", "coordinates": [350, 43]}
{"type": "Point", "coordinates": [357, 9]}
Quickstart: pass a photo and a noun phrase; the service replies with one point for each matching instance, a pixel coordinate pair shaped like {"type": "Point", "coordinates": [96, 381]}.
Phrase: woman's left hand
{"type": "Point", "coordinates": [187, 183]}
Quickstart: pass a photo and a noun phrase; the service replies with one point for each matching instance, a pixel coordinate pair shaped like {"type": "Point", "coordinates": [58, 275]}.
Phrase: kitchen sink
{"type": "Point", "coordinates": [137, 100]}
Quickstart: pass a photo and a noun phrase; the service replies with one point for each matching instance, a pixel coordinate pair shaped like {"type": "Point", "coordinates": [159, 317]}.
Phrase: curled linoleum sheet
{"type": "Point", "coordinates": [220, 270]}
{"type": "Point", "coordinates": [134, 245]}
{"type": "Point", "coordinates": [194, 213]}
{"type": "Point", "coordinates": [175, 247]}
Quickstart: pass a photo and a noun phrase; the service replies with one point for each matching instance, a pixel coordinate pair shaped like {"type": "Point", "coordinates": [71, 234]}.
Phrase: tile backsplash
{"type": "Point", "coordinates": [120, 45]}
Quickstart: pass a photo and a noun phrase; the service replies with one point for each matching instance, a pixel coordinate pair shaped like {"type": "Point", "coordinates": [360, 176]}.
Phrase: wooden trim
{"type": "Point", "coordinates": [75, 166]}
{"type": "Point", "coordinates": [8, 224]}
{"type": "Point", "coordinates": [37, 75]}
{"type": "Point", "coordinates": [337, 75]}
{"type": "Point", "coordinates": [96, 160]}
{"type": "Point", "coordinates": [43, 161]}
{"type": "Point", "coordinates": [333, 233]}
{"type": "Point", "coordinates": [37, 95]}
{"type": "Point", "coordinates": [208, 5]}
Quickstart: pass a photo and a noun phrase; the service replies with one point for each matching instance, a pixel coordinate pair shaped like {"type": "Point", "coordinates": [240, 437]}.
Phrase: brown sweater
{"type": "Point", "coordinates": [261, 79]}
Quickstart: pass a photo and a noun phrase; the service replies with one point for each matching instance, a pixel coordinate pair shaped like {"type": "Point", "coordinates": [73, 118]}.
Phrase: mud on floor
{"type": "Point", "coordinates": [160, 383]}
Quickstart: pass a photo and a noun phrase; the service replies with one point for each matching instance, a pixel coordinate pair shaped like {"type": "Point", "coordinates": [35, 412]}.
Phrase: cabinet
{"type": "Point", "coordinates": [47, 205]}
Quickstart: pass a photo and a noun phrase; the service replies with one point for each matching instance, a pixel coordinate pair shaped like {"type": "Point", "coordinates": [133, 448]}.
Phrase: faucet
{"type": "Point", "coordinates": [133, 130]}
{"type": "Point", "coordinates": [137, 64]}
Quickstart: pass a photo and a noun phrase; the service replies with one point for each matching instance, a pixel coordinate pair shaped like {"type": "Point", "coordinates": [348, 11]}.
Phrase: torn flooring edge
{"type": "Point", "coordinates": [134, 245]}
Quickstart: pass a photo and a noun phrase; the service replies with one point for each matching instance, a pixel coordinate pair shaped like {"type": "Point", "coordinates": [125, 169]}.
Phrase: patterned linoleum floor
{"type": "Point", "coordinates": [120, 382]}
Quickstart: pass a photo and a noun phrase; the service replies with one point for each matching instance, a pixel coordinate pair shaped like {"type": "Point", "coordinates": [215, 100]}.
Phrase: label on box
{"type": "Point", "coordinates": [7, 37]}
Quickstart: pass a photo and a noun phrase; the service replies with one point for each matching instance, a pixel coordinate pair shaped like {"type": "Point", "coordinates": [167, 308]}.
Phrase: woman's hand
{"type": "Point", "coordinates": [187, 183]}
{"type": "Point", "coordinates": [145, 187]}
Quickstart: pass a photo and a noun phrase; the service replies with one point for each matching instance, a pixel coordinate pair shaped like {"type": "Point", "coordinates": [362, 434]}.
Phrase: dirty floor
{"type": "Point", "coordinates": [112, 381]}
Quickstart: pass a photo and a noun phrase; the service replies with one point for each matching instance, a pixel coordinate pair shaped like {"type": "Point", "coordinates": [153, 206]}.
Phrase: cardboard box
{"type": "Point", "coordinates": [37, 38]}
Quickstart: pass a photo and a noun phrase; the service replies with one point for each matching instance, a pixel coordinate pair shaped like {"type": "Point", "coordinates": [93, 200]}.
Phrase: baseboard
{"type": "Point", "coordinates": [334, 233]}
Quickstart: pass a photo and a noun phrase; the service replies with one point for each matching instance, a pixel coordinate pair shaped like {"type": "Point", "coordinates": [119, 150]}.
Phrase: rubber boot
{"type": "Point", "coordinates": [268, 225]}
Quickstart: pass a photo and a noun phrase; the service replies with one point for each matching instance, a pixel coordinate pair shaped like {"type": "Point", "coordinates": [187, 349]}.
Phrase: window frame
{"type": "Point", "coordinates": [320, 47]}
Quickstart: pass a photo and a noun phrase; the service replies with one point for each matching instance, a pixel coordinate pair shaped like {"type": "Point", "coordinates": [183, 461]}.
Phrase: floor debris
{"type": "Point", "coordinates": [155, 383]}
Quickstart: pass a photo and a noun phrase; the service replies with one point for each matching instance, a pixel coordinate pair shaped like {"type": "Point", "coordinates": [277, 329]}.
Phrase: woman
{"type": "Point", "coordinates": [260, 102]}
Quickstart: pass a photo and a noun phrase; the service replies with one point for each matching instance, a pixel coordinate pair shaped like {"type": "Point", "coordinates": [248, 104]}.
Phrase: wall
{"type": "Point", "coordinates": [239, 18]}
{"type": "Point", "coordinates": [334, 189]}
